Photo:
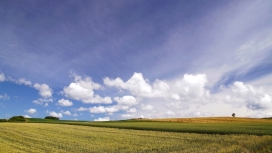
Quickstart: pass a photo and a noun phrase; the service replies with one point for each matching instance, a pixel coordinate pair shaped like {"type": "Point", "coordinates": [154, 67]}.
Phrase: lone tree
{"type": "Point", "coordinates": [233, 115]}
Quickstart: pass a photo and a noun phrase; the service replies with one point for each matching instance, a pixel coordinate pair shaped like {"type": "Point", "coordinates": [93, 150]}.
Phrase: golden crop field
{"type": "Point", "coordinates": [213, 120]}
{"type": "Point", "coordinates": [42, 137]}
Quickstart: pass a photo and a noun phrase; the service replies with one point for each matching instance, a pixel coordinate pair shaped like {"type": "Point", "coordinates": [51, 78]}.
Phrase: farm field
{"type": "Point", "coordinates": [44, 137]}
{"type": "Point", "coordinates": [196, 125]}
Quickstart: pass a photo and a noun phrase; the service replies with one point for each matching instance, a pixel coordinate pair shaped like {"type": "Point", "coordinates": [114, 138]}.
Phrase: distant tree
{"type": "Point", "coordinates": [233, 115]}
{"type": "Point", "coordinates": [3, 120]}
{"type": "Point", "coordinates": [17, 119]}
{"type": "Point", "coordinates": [51, 118]}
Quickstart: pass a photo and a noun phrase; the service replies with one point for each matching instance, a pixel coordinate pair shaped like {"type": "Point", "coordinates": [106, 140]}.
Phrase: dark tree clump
{"type": "Point", "coordinates": [17, 119]}
{"type": "Point", "coordinates": [51, 118]}
{"type": "Point", "coordinates": [3, 120]}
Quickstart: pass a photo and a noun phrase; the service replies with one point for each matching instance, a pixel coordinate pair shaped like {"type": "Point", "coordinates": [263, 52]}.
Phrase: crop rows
{"type": "Point", "coordinates": [37, 137]}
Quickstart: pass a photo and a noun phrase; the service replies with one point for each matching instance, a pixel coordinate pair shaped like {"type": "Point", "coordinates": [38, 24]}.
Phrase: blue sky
{"type": "Point", "coordinates": [108, 60]}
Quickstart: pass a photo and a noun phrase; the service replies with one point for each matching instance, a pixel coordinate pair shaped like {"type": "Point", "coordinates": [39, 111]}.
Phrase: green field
{"type": "Point", "coordinates": [229, 126]}
{"type": "Point", "coordinates": [41, 137]}
{"type": "Point", "coordinates": [158, 135]}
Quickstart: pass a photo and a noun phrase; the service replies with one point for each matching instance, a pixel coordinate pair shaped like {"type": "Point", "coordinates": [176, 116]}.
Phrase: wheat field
{"type": "Point", "coordinates": [42, 137]}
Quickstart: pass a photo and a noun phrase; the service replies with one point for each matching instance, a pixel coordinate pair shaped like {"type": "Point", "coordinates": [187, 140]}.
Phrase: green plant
{"type": "Point", "coordinates": [3, 120]}
{"type": "Point", "coordinates": [17, 119]}
{"type": "Point", "coordinates": [51, 118]}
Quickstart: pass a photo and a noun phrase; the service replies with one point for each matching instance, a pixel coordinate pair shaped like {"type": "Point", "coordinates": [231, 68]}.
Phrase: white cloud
{"type": "Point", "coordinates": [59, 115]}
{"type": "Point", "coordinates": [261, 115]}
{"type": "Point", "coordinates": [200, 114]}
{"type": "Point", "coordinates": [136, 85]}
{"type": "Point", "coordinates": [44, 90]}
{"type": "Point", "coordinates": [40, 101]}
{"type": "Point", "coordinates": [253, 98]}
{"type": "Point", "coordinates": [31, 111]}
{"type": "Point", "coordinates": [99, 109]}
{"type": "Point", "coordinates": [169, 97]}
{"type": "Point", "coordinates": [24, 81]}
{"type": "Point", "coordinates": [188, 88]}
{"type": "Point", "coordinates": [5, 97]}
{"type": "Point", "coordinates": [102, 119]}
{"type": "Point", "coordinates": [126, 115]}
{"type": "Point", "coordinates": [169, 112]}
{"type": "Point", "coordinates": [2, 77]}
{"type": "Point", "coordinates": [132, 110]}
{"type": "Point", "coordinates": [67, 113]}
{"type": "Point", "coordinates": [82, 109]}
{"type": "Point", "coordinates": [147, 107]}
{"type": "Point", "coordinates": [83, 90]}
{"type": "Point", "coordinates": [126, 100]}
{"type": "Point", "coordinates": [102, 109]}
{"type": "Point", "coordinates": [63, 102]}
{"type": "Point", "coordinates": [27, 116]}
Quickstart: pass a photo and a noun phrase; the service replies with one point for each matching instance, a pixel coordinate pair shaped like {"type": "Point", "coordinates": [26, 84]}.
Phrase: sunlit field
{"type": "Point", "coordinates": [43, 137]}
{"type": "Point", "coordinates": [193, 125]}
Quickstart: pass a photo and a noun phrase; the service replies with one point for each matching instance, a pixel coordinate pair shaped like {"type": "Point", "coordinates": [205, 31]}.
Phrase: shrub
{"type": "Point", "coordinates": [51, 118]}
{"type": "Point", "coordinates": [3, 120]}
{"type": "Point", "coordinates": [17, 119]}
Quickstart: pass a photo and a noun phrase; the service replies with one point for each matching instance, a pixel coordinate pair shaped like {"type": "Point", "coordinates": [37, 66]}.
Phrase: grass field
{"type": "Point", "coordinates": [43, 137]}
{"type": "Point", "coordinates": [198, 125]}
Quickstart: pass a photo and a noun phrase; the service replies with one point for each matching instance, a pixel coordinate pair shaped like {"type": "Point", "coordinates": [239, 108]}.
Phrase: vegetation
{"type": "Point", "coordinates": [233, 115]}
{"type": "Point", "coordinates": [17, 119]}
{"type": "Point", "coordinates": [51, 118]}
{"type": "Point", "coordinates": [3, 120]}
{"type": "Point", "coordinates": [35, 137]}
{"type": "Point", "coordinates": [221, 126]}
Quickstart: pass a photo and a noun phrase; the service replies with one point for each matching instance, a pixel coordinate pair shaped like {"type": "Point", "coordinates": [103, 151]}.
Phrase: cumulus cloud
{"type": "Point", "coordinates": [200, 114]}
{"type": "Point", "coordinates": [252, 97]}
{"type": "Point", "coordinates": [189, 87]}
{"type": "Point", "coordinates": [168, 96]}
{"type": "Point", "coordinates": [126, 115]}
{"type": "Point", "coordinates": [132, 110]}
{"type": "Point", "coordinates": [136, 85]}
{"type": "Point", "coordinates": [5, 97]}
{"type": "Point", "coordinates": [147, 107]}
{"type": "Point", "coordinates": [82, 109]}
{"type": "Point", "coordinates": [83, 90]}
{"type": "Point", "coordinates": [261, 115]}
{"type": "Point", "coordinates": [2, 77]}
{"type": "Point", "coordinates": [65, 103]}
{"type": "Point", "coordinates": [103, 109]}
{"type": "Point", "coordinates": [31, 111]}
{"type": "Point", "coordinates": [59, 115]}
{"type": "Point", "coordinates": [41, 101]}
{"type": "Point", "coordinates": [44, 90]}
{"type": "Point", "coordinates": [24, 81]}
{"type": "Point", "coordinates": [126, 100]}
{"type": "Point", "coordinates": [27, 116]}
{"type": "Point", "coordinates": [102, 119]}
{"type": "Point", "coordinates": [67, 113]}
{"type": "Point", "coordinates": [169, 112]}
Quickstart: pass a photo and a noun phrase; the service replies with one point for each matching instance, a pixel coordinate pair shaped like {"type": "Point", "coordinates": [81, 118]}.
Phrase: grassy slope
{"type": "Point", "coordinates": [193, 125]}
